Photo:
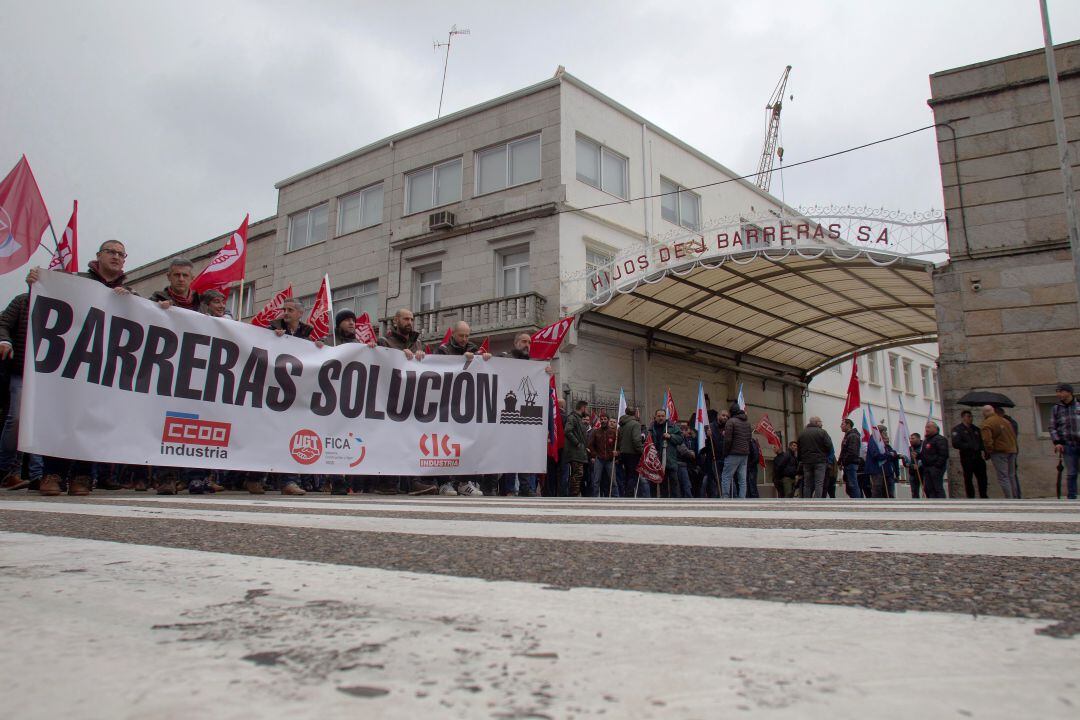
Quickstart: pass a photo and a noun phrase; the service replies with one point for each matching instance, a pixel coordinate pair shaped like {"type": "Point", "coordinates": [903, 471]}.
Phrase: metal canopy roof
{"type": "Point", "coordinates": [799, 312]}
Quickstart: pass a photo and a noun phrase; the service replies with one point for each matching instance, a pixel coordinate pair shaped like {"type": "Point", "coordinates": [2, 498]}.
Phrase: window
{"type": "Point", "coordinates": [924, 375]}
{"type": "Point", "coordinates": [360, 209]}
{"type": "Point", "coordinates": [597, 274]}
{"type": "Point", "coordinates": [307, 227]}
{"type": "Point", "coordinates": [249, 302]}
{"type": "Point", "coordinates": [600, 167]}
{"type": "Point", "coordinates": [514, 271]}
{"type": "Point", "coordinates": [680, 206]}
{"type": "Point", "coordinates": [433, 186]}
{"type": "Point", "coordinates": [872, 369]}
{"type": "Point", "coordinates": [908, 385]}
{"type": "Point", "coordinates": [360, 298]}
{"type": "Point", "coordinates": [515, 163]}
{"type": "Point", "coordinates": [894, 372]}
{"type": "Point", "coordinates": [935, 387]}
{"type": "Point", "coordinates": [1044, 405]}
{"type": "Point", "coordinates": [428, 288]}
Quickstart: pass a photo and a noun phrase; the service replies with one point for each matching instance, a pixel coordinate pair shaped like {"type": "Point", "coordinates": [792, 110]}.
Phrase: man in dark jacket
{"type": "Point", "coordinates": [934, 455]}
{"type": "Point", "coordinates": [849, 457]}
{"type": "Point", "coordinates": [576, 437]}
{"type": "Point", "coordinates": [630, 446]}
{"type": "Point", "coordinates": [401, 335]}
{"type": "Point", "coordinates": [460, 344]}
{"type": "Point", "coordinates": [1065, 435]}
{"type": "Point", "coordinates": [736, 450]}
{"type": "Point", "coordinates": [290, 323]}
{"type": "Point", "coordinates": [13, 324]}
{"type": "Point", "coordinates": [178, 292]}
{"type": "Point", "coordinates": [667, 438]}
{"type": "Point", "coordinates": [967, 439]}
{"type": "Point", "coordinates": [601, 449]}
{"type": "Point", "coordinates": [815, 446]}
{"type": "Point", "coordinates": [785, 468]}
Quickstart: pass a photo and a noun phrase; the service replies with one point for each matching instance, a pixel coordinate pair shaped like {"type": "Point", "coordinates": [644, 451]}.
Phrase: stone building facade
{"type": "Point", "coordinates": [1007, 299]}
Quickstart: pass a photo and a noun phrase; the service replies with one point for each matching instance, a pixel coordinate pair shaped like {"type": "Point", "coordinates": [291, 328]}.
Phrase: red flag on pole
{"type": "Point", "coordinates": [854, 399]}
{"type": "Point", "coordinates": [23, 217]}
{"type": "Point", "coordinates": [66, 258]}
{"type": "Point", "coordinates": [272, 311]}
{"type": "Point", "coordinates": [365, 333]}
{"type": "Point", "coordinates": [485, 347]}
{"type": "Point", "coordinates": [446, 338]}
{"type": "Point", "coordinates": [649, 466]}
{"type": "Point", "coordinates": [228, 265]}
{"type": "Point", "coordinates": [555, 421]}
{"type": "Point", "coordinates": [765, 427]}
{"type": "Point", "coordinates": [669, 405]}
{"type": "Point", "coordinates": [322, 313]}
{"type": "Point", "coordinates": [546, 341]}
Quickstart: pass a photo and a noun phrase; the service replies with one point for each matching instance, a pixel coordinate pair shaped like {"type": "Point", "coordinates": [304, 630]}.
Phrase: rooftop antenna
{"type": "Point", "coordinates": [449, 38]}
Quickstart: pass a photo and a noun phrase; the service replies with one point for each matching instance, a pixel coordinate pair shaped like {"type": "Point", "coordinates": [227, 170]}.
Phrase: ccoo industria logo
{"type": "Point", "coordinates": [188, 435]}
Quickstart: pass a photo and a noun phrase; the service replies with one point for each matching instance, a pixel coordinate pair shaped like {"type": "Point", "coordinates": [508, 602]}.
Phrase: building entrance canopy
{"type": "Point", "coordinates": [784, 303]}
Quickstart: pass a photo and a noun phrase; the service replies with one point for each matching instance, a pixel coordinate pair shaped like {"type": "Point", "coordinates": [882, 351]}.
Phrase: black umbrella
{"type": "Point", "coordinates": [981, 397]}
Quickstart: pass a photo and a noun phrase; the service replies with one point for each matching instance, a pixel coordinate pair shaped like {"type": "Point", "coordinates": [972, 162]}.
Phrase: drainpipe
{"type": "Point", "coordinates": [646, 185]}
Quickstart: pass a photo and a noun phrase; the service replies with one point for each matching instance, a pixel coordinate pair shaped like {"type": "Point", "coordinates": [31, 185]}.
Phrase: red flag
{"type": "Point", "coordinates": [66, 258]}
{"type": "Point", "coordinates": [228, 265]}
{"type": "Point", "coordinates": [272, 311]}
{"type": "Point", "coordinates": [760, 458]}
{"type": "Point", "coordinates": [321, 317]}
{"type": "Point", "coordinates": [23, 217]}
{"type": "Point", "coordinates": [669, 405]}
{"type": "Point", "coordinates": [854, 399]}
{"type": "Point", "coordinates": [649, 466]}
{"type": "Point", "coordinates": [555, 422]}
{"type": "Point", "coordinates": [485, 347]}
{"type": "Point", "coordinates": [765, 427]}
{"type": "Point", "coordinates": [546, 341]}
{"type": "Point", "coordinates": [446, 338]}
{"type": "Point", "coordinates": [427, 349]}
{"type": "Point", "coordinates": [365, 333]}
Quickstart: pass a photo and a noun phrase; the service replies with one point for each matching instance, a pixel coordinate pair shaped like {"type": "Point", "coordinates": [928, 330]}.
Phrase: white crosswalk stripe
{"type": "Point", "coordinates": [259, 606]}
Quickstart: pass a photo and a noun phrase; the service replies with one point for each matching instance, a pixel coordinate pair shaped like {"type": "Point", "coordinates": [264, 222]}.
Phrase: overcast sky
{"type": "Point", "coordinates": [170, 121]}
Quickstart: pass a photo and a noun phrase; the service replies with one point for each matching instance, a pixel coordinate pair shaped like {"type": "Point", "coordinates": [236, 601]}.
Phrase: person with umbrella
{"type": "Point", "coordinates": [1065, 434]}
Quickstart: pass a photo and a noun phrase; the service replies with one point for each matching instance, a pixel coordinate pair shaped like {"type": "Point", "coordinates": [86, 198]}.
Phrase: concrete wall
{"type": "Point", "coordinates": [1006, 302]}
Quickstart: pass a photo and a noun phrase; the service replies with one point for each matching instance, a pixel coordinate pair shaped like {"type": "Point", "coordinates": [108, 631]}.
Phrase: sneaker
{"type": "Point", "coordinates": [254, 487]}
{"type": "Point", "coordinates": [79, 485]}
{"type": "Point", "coordinates": [293, 489]}
{"type": "Point", "coordinates": [447, 489]}
{"type": "Point", "coordinates": [417, 487]}
{"type": "Point", "coordinates": [50, 485]}
{"type": "Point", "coordinates": [470, 489]}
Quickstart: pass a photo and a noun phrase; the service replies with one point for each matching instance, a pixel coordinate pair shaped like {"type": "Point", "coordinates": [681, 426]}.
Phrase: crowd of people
{"type": "Point", "coordinates": [600, 456]}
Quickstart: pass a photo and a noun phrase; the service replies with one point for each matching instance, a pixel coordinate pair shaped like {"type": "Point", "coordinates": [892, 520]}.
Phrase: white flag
{"type": "Point", "coordinates": [700, 417]}
{"type": "Point", "coordinates": [622, 405]}
{"type": "Point", "coordinates": [903, 435]}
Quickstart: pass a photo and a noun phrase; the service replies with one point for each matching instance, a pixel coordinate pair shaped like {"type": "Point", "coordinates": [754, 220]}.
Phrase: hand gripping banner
{"type": "Point", "coordinates": [114, 378]}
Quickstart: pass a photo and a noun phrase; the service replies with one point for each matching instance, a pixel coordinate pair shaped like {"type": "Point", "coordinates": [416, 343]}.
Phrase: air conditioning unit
{"type": "Point", "coordinates": [442, 220]}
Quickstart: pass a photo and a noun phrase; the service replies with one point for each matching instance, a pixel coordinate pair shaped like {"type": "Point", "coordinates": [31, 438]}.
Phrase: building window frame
{"type": "Point", "coordinates": [872, 369]}
{"type": "Point", "coordinates": [249, 303]}
{"type": "Point", "coordinates": [592, 267]}
{"type": "Point", "coordinates": [907, 367]}
{"type": "Point", "coordinates": [670, 188]}
{"type": "Point", "coordinates": [365, 194]}
{"type": "Point", "coordinates": [601, 150]}
{"type": "Point", "coordinates": [517, 268]}
{"type": "Point", "coordinates": [307, 213]}
{"type": "Point", "coordinates": [895, 378]}
{"type": "Point", "coordinates": [507, 149]}
{"type": "Point", "coordinates": [431, 288]}
{"type": "Point", "coordinates": [433, 170]}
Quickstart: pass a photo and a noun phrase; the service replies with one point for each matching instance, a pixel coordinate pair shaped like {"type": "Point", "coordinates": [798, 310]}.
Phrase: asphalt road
{"type": "Point", "coordinates": [129, 605]}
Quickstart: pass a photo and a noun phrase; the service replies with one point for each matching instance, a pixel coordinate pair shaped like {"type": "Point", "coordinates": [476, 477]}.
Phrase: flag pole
{"type": "Point", "coordinates": [715, 471]}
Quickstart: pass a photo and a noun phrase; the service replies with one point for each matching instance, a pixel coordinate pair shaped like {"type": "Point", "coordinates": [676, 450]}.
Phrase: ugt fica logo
{"type": "Point", "coordinates": [305, 446]}
{"type": "Point", "coordinates": [438, 451]}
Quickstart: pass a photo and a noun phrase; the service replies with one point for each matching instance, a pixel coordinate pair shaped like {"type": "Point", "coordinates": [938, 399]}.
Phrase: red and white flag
{"type": "Point", "coordinates": [649, 466]}
{"type": "Point", "coordinates": [669, 406]}
{"type": "Point", "coordinates": [23, 217]}
{"type": "Point", "coordinates": [765, 427]}
{"type": "Point", "coordinates": [546, 341]}
{"type": "Point", "coordinates": [485, 347]}
{"type": "Point", "coordinates": [854, 398]}
{"type": "Point", "coordinates": [446, 338]}
{"type": "Point", "coordinates": [66, 258]}
{"type": "Point", "coordinates": [272, 311]}
{"type": "Point", "coordinates": [555, 423]}
{"type": "Point", "coordinates": [321, 318]}
{"type": "Point", "coordinates": [228, 265]}
{"type": "Point", "coordinates": [365, 333]}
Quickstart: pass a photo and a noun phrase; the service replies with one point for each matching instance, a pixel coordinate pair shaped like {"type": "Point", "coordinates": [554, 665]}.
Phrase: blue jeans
{"type": "Point", "coordinates": [851, 480]}
{"type": "Point", "coordinates": [684, 489]}
{"type": "Point", "coordinates": [515, 483]}
{"type": "Point", "coordinates": [10, 458]}
{"type": "Point", "coordinates": [602, 485]}
{"type": "Point", "coordinates": [1071, 458]}
{"type": "Point", "coordinates": [734, 469]}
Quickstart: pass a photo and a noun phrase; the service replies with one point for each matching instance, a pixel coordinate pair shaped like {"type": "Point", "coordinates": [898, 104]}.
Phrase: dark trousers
{"type": "Point", "coordinates": [631, 481]}
{"type": "Point", "coordinates": [934, 482]}
{"type": "Point", "coordinates": [974, 465]}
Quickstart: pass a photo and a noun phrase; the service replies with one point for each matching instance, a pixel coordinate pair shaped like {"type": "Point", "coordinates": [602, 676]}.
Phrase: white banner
{"type": "Point", "coordinates": [114, 378]}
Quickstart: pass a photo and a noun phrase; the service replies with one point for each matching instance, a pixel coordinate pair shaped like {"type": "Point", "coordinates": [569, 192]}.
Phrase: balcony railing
{"type": "Point", "coordinates": [515, 312]}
